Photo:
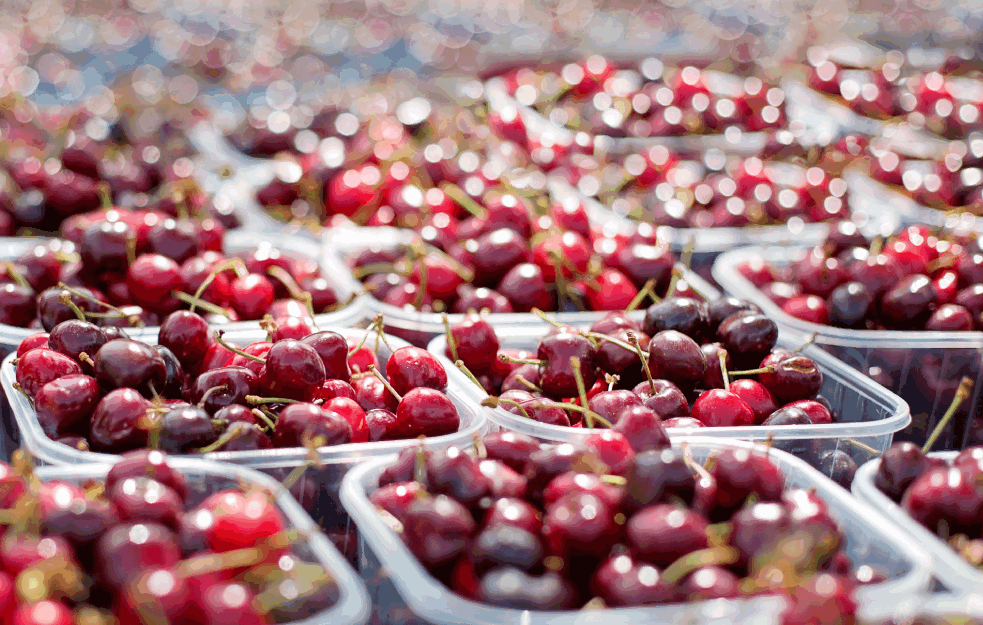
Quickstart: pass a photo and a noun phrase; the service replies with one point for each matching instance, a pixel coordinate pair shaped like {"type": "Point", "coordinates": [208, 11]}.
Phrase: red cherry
{"type": "Point", "coordinates": [241, 519]}
{"type": "Point", "coordinates": [720, 408]}
{"type": "Point", "coordinates": [353, 413]}
{"type": "Point", "coordinates": [756, 396]}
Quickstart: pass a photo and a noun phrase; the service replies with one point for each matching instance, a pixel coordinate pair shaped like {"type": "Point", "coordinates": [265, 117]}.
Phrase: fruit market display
{"type": "Point", "coordinates": [144, 545]}
{"type": "Point", "coordinates": [560, 527]}
{"type": "Point", "coordinates": [918, 279]}
{"type": "Point", "coordinates": [541, 211]}
{"type": "Point", "coordinates": [648, 100]}
{"type": "Point", "coordinates": [194, 392]}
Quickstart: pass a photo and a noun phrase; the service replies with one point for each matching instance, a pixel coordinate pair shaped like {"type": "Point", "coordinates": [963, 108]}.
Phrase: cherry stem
{"type": "Point", "coordinates": [722, 354]}
{"type": "Point", "coordinates": [420, 467]}
{"type": "Point", "coordinates": [373, 268]}
{"type": "Point", "coordinates": [294, 289]}
{"type": "Point", "coordinates": [641, 356]}
{"type": "Point", "coordinates": [812, 339]}
{"type": "Point", "coordinates": [479, 447]}
{"type": "Point", "coordinates": [105, 196]}
{"type": "Point", "coordinates": [229, 435]}
{"type": "Point", "coordinates": [962, 394]}
{"type": "Point", "coordinates": [614, 480]}
{"type": "Point", "coordinates": [542, 315]}
{"type": "Point", "coordinates": [610, 339]}
{"type": "Point", "coordinates": [695, 466]}
{"type": "Point", "coordinates": [714, 556]}
{"type": "Point", "coordinates": [199, 303]}
{"type": "Point", "coordinates": [15, 275]}
{"type": "Point", "coordinates": [385, 382]}
{"type": "Point", "coordinates": [365, 337]}
{"type": "Point", "coordinates": [645, 292]}
{"type": "Point", "coordinates": [863, 446]}
{"type": "Point", "coordinates": [238, 558]}
{"type": "Point", "coordinates": [259, 414]}
{"type": "Point", "coordinates": [23, 392]}
{"type": "Point", "coordinates": [207, 394]}
{"type": "Point", "coordinates": [83, 357]}
{"type": "Point", "coordinates": [578, 377]}
{"type": "Point", "coordinates": [768, 369]}
{"type": "Point", "coordinates": [96, 300]}
{"type": "Point", "coordinates": [180, 204]}
{"type": "Point", "coordinates": [462, 272]}
{"type": "Point", "coordinates": [521, 361]}
{"type": "Point", "coordinates": [451, 343]}
{"type": "Point", "coordinates": [66, 300]}
{"type": "Point", "coordinates": [256, 400]}
{"type": "Point", "coordinates": [457, 194]}
{"type": "Point", "coordinates": [270, 326]}
{"type": "Point", "coordinates": [208, 280]}
{"type": "Point", "coordinates": [464, 369]}
{"type": "Point", "coordinates": [526, 383]}
{"type": "Point", "coordinates": [574, 407]}
{"type": "Point", "coordinates": [493, 402]}
{"type": "Point", "coordinates": [236, 350]}
{"type": "Point", "coordinates": [876, 246]}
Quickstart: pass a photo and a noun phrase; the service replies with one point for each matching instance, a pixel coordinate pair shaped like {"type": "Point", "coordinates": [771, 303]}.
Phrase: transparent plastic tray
{"type": "Point", "coordinates": [870, 415]}
{"type": "Point", "coordinates": [872, 215]}
{"type": "Point", "coordinates": [320, 483]}
{"type": "Point", "coordinates": [952, 571]}
{"type": "Point", "coordinates": [419, 328]}
{"type": "Point", "coordinates": [205, 477]}
{"type": "Point", "coordinates": [399, 583]}
{"type": "Point", "coordinates": [807, 102]}
{"type": "Point", "coordinates": [923, 368]}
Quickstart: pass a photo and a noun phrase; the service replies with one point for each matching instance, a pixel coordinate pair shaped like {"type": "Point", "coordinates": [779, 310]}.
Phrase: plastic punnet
{"type": "Point", "coordinates": [317, 489]}
{"type": "Point", "coordinates": [870, 415]}
{"type": "Point", "coordinates": [404, 592]}
{"type": "Point", "coordinates": [205, 477]}
{"type": "Point", "coordinates": [923, 368]}
{"type": "Point", "coordinates": [419, 328]}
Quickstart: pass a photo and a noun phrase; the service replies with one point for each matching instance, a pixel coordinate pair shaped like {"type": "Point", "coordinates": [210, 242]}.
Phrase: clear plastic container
{"type": "Point", "coordinates": [952, 571]}
{"type": "Point", "coordinates": [318, 488]}
{"type": "Point", "coordinates": [404, 592]}
{"type": "Point", "coordinates": [806, 103]}
{"type": "Point", "coordinates": [419, 328]}
{"type": "Point", "coordinates": [923, 368]}
{"type": "Point", "coordinates": [870, 415]}
{"type": "Point", "coordinates": [873, 217]}
{"type": "Point", "coordinates": [236, 241]}
{"type": "Point", "coordinates": [205, 477]}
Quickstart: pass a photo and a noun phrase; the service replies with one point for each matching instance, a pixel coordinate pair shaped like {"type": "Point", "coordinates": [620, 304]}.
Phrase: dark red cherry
{"type": "Point", "coordinates": [146, 499]}
{"type": "Point", "coordinates": [510, 587]}
{"type": "Point", "coordinates": [185, 429]}
{"type": "Point", "coordinates": [333, 350]}
{"type": "Point", "coordinates": [794, 377]}
{"type": "Point", "coordinates": [738, 473]}
{"type": "Point", "coordinates": [624, 581]}
{"type": "Point", "coordinates": [710, 582]}
{"type": "Point", "coordinates": [556, 377]}
{"type": "Point", "coordinates": [758, 528]}
{"type": "Point", "coordinates": [663, 533]}
{"type": "Point", "coordinates": [294, 370]}
{"type": "Point", "coordinates": [950, 318]}
{"type": "Point", "coordinates": [676, 357]}
{"type": "Point", "coordinates": [476, 344]}
{"type": "Point", "coordinates": [124, 363]}
{"type": "Point", "coordinates": [152, 279]}
{"type": "Point", "coordinates": [663, 397]}
{"type": "Point", "coordinates": [945, 495]}
{"type": "Point", "coordinates": [120, 421]}
{"type": "Point", "coordinates": [906, 305]}
{"type": "Point", "coordinates": [747, 337]}
{"type": "Point", "coordinates": [63, 406]}
{"type": "Point", "coordinates": [17, 305]}
{"type": "Point", "coordinates": [436, 529]}
{"type": "Point", "coordinates": [642, 428]}
{"type": "Point", "coordinates": [225, 386]}
{"type": "Point", "coordinates": [147, 463]}
{"type": "Point", "coordinates": [456, 474]}
{"type": "Point", "coordinates": [685, 315]}
{"type": "Point", "coordinates": [186, 334]}
{"type": "Point", "coordinates": [302, 423]}
{"type": "Point", "coordinates": [75, 336]}
{"type": "Point", "coordinates": [145, 545]}
{"type": "Point", "coordinates": [251, 296]}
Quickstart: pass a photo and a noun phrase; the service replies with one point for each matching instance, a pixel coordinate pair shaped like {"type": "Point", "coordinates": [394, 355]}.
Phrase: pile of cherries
{"type": "Point", "coordinates": [599, 378]}
{"type": "Point", "coordinates": [595, 96]}
{"type": "Point", "coordinates": [133, 268]}
{"type": "Point", "coordinates": [920, 279]}
{"type": "Point", "coordinates": [92, 387]}
{"type": "Point", "coordinates": [560, 527]}
{"type": "Point", "coordinates": [944, 497]}
{"type": "Point", "coordinates": [143, 547]}
{"type": "Point", "coordinates": [939, 99]}
{"type": "Point", "coordinates": [954, 180]}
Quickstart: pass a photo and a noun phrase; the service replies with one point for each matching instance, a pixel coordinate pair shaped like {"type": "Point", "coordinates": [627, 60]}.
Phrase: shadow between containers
{"type": "Point", "coordinates": [399, 583]}
{"type": "Point", "coordinates": [923, 368]}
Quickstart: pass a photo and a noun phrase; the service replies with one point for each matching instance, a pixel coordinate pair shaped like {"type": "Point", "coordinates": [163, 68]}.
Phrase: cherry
{"type": "Point", "coordinates": [74, 337]}
{"type": "Point", "coordinates": [663, 397]}
{"type": "Point", "coordinates": [839, 466]}
{"type": "Point", "coordinates": [476, 344]}
{"type": "Point", "coordinates": [241, 520]}
{"type": "Point", "coordinates": [525, 287]}
{"type": "Point", "coordinates": [685, 315]}
{"type": "Point", "coordinates": [458, 475]}
{"type": "Point", "coordinates": [944, 495]}
{"type": "Point", "coordinates": [186, 335]}
{"type": "Point", "coordinates": [906, 306]}
{"type": "Point", "coordinates": [379, 422]}
{"type": "Point", "coordinates": [720, 408]}
{"type": "Point", "coordinates": [898, 468]}
{"type": "Point", "coordinates": [230, 604]}
{"type": "Point", "coordinates": [302, 423]}
{"type": "Point", "coordinates": [739, 473]}
{"type": "Point", "coordinates": [294, 370]}
{"type": "Point", "coordinates": [756, 396]}
{"type": "Point", "coordinates": [613, 449]}
{"type": "Point", "coordinates": [120, 421]}
{"type": "Point", "coordinates": [159, 591]}
{"type": "Point", "coordinates": [578, 524]}
{"type": "Point", "coordinates": [34, 341]}
{"type": "Point", "coordinates": [663, 533]}
{"type": "Point", "coordinates": [424, 411]}
{"type": "Point", "coordinates": [817, 412]}
{"type": "Point", "coordinates": [185, 429]}
{"type": "Point", "coordinates": [747, 336]}
{"type": "Point", "coordinates": [510, 447]}
{"type": "Point", "coordinates": [500, 250]}
{"type": "Point", "coordinates": [145, 499]}
{"type": "Point", "coordinates": [51, 311]}
{"type": "Point", "coordinates": [676, 357]}
{"type": "Point", "coordinates": [723, 307]}
{"type": "Point", "coordinates": [145, 545]}
{"type": "Point", "coordinates": [436, 529]}
{"type": "Point", "coordinates": [950, 318]}
{"type": "Point", "coordinates": [642, 427]}
{"type": "Point", "coordinates": [105, 247]}
{"type": "Point", "coordinates": [150, 464]}
{"type": "Point", "coordinates": [150, 281]}
{"type": "Point", "coordinates": [505, 545]}
{"type": "Point", "coordinates": [411, 367]}
{"type": "Point", "coordinates": [623, 581]}
{"type": "Point", "coordinates": [251, 295]}
{"type": "Point", "coordinates": [46, 612]}
{"type": "Point", "coordinates": [224, 386]}
{"type": "Point", "coordinates": [610, 404]}
{"type": "Point", "coordinates": [556, 376]}
{"type": "Point", "coordinates": [17, 305]}
{"type": "Point", "coordinates": [42, 365]}
{"type": "Point", "coordinates": [372, 394]}
{"type": "Point", "coordinates": [349, 409]}
{"type": "Point", "coordinates": [512, 588]}
{"type": "Point", "coordinates": [710, 582]}
{"type": "Point", "coordinates": [333, 350]}
{"type": "Point", "coordinates": [64, 405]}
{"type": "Point", "coordinates": [794, 377]}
